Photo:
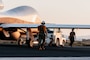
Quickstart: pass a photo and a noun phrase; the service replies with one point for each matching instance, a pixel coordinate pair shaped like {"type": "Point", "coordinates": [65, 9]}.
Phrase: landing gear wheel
{"type": "Point", "coordinates": [20, 42]}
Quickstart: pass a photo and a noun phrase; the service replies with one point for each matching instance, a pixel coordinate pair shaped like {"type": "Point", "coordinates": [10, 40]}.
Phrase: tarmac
{"type": "Point", "coordinates": [7, 50]}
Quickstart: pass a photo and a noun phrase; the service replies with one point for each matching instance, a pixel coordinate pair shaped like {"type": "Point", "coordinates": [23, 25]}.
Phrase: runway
{"type": "Point", "coordinates": [24, 51]}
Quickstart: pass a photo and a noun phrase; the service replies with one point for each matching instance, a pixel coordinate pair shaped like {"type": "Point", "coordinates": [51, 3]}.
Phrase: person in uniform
{"type": "Point", "coordinates": [72, 37]}
{"type": "Point", "coordinates": [58, 38]}
{"type": "Point", "coordinates": [42, 35]}
{"type": "Point", "coordinates": [51, 40]}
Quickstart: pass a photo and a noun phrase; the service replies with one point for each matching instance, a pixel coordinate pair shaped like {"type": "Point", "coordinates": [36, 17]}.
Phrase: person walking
{"type": "Point", "coordinates": [42, 35]}
{"type": "Point", "coordinates": [72, 37]}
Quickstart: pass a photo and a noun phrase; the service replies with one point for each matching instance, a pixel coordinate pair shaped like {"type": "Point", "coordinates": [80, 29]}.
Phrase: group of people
{"type": "Point", "coordinates": [57, 36]}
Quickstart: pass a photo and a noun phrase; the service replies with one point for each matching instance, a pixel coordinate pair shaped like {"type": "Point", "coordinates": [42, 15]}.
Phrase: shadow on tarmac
{"type": "Point", "coordinates": [25, 51]}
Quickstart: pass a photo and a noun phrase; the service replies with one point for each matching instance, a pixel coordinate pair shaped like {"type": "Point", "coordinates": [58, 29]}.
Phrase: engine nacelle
{"type": "Point", "coordinates": [16, 35]}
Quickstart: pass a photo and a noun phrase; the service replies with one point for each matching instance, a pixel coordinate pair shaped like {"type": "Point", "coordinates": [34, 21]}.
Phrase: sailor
{"type": "Point", "coordinates": [59, 40]}
{"type": "Point", "coordinates": [51, 40]}
{"type": "Point", "coordinates": [72, 37]}
{"type": "Point", "coordinates": [42, 35]}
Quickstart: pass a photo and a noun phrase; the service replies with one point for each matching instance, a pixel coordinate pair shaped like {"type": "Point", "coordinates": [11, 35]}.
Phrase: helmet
{"type": "Point", "coordinates": [43, 22]}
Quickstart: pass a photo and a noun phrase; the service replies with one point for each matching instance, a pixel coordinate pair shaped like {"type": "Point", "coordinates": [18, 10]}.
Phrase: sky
{"type": "Point", "coordinates": [57, 11]}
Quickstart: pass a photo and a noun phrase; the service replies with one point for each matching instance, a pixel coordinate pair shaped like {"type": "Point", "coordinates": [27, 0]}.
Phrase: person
{"type": "Point", "coordinates": [42, 35]}
{"type": "Point", "coordinates": [51, 40]}
{"type": "Point", "coordinates": [58, 38]}
{"type": "Point", "coordinates": [72, 37]}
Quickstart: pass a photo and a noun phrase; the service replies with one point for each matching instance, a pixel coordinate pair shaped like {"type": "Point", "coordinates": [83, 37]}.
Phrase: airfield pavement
{"type": "Point", "coordinates": [24, 51]}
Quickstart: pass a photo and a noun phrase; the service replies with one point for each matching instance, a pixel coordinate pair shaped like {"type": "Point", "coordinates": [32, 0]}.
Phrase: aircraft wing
{"type": "Point", "coordinates": [19, 25]}
{"type": "Point", "coordinates": [66, 26]}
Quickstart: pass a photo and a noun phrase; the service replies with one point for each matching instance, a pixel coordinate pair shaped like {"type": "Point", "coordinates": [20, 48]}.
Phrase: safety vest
{"type": "Point", "coordinates": [42, 29]}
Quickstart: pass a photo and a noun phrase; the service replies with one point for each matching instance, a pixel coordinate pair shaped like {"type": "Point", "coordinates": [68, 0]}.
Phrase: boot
{"type": "Point", "coordinates": [40, 48]}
